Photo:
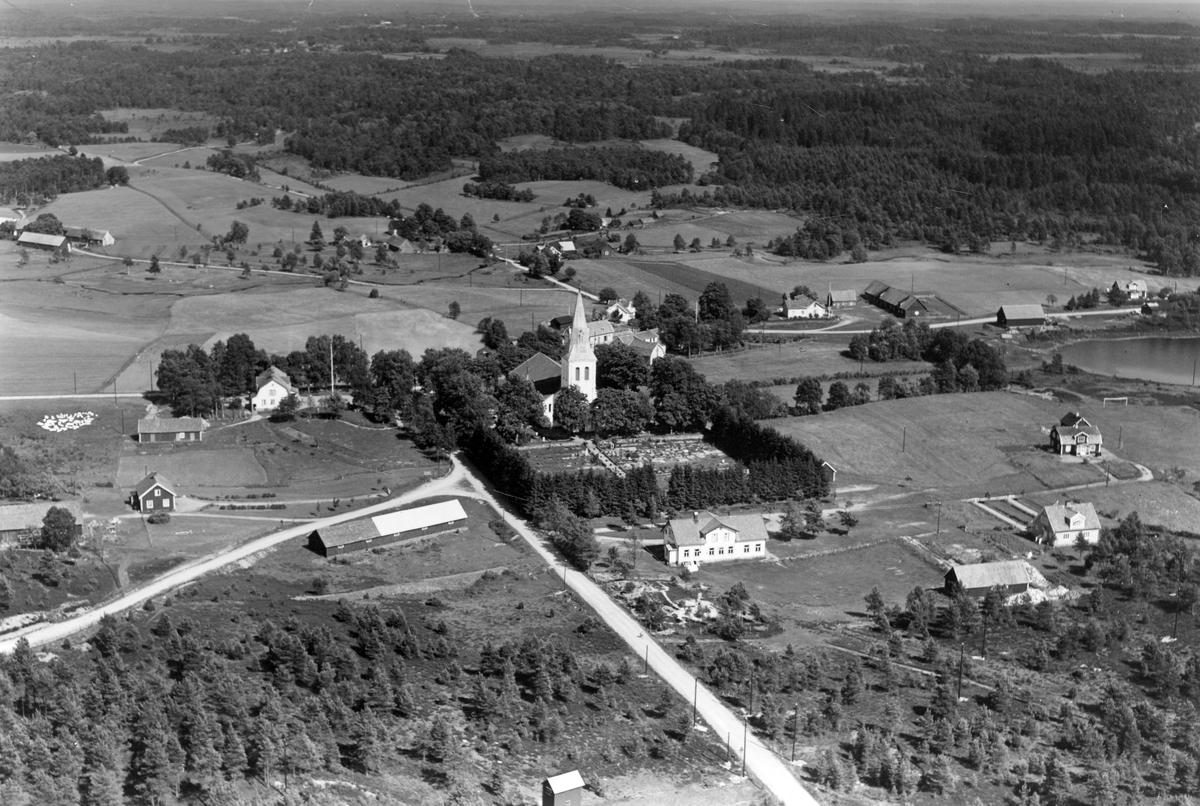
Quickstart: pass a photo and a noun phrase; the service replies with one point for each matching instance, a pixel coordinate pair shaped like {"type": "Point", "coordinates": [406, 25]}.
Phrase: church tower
{"type": "Point", "coordinates": [579, 364]}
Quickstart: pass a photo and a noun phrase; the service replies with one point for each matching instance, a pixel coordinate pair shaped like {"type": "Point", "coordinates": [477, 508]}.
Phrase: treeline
{"type": "Point", "coordinates": [498, 190]}
{"type": "Point", "coordinates": [239, 166]}
{"type": "Point", "coordinates": [186, 136]}
{"type": "Point", "coordinates": [951, 351]}
{"type": "Point", "coordinates": [339, 204]}
{"type": "Point", "coordinates": [27, 181]}
{"type": "Point", "coordinates": [631, 168]}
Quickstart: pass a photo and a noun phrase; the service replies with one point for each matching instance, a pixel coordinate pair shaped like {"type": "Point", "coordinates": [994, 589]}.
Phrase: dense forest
{"type": "Point", "coordinates": [41, 179]}
{"type": "Point", "coordinates": [628, 168]}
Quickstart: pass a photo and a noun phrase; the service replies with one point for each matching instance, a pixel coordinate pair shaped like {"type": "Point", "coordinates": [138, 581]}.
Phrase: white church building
{"type": "Point", "coordinates": [577, 367]}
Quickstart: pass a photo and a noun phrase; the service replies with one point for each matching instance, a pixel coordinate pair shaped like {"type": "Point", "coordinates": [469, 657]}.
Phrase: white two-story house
{"type": "Point", "coordinates": [705, 538]}
{"type": "Point", "coordinates": [273, 386]}
{"type": "Point", "coordinates": [1063, 524]}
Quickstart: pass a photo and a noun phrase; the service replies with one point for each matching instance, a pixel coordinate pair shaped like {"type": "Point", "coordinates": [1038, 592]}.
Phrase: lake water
{"type": "Point", "coordinates": [1150, 359]}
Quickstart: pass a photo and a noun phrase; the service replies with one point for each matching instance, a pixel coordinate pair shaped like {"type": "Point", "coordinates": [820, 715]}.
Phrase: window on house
{"type": "Point", "coordinates": [587, 373]}
{"type": "Point", "coordinates": [576, 373]}
{"type": "Point", "coordinates": [746, 549]}
{"type": "Point", "coordinates": [758, 546]}
{"type": "Point", "coordinates": [149, 503]}
{"type": "Point", "coordinates": [710, 552]}
{"type": "Point", "coordinates": [158, 492]}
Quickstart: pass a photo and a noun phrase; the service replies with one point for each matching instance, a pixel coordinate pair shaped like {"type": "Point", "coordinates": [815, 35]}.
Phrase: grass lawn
{"type": "Point", "coordinates": [951, 445]}
{"type": "Point", "coordinates": [146, 122]}
{"type": "Point", "coordinates": [194, 467]}
{"type": "Point", "coordinates": [792, 360]}
{"type": "Point", "coordinates": [1159, 503]}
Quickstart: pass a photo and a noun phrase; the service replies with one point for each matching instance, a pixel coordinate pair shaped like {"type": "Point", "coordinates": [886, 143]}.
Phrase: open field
{"type": "Point", "coordinates": [140, 224]}
{"type": "Point", "coordinates": [146, 123]}
{"type": "Point", "coordinates": [951, 445]}
{"type": "Point", "coordinates": [625, 278]}
{"type": "Point", "coordinates": [822, 589]}
{"type": "Point", "coordinates": [977, 285]}
{"type": "Point", "coordinates": [697, 279]}
{"type": "Point", "coordinates": [194, 467]}
{"type": "Point", "coordinates": [520, 310]}
{"type": "Point", "coordinates": [21, 151]}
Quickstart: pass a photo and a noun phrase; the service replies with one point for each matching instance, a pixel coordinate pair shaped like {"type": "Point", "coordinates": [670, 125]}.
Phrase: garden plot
{"type": "Point", "coordinates": [664, 453]}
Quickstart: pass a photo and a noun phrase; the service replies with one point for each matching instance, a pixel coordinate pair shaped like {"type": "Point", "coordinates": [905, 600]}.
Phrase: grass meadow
{"type": "Point", "coordinates": [192, 469]}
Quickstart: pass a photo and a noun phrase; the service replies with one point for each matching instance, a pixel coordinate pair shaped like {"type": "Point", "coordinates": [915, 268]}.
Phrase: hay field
{"type": "Point", "coordinates": [191, 468]}
{"type": "Point", "coordinates": [688, 274]}
{"type": "Point", "coordinates": [175, 159]}
{"type": "Point", "coordinates": [1157, 503]}
{"type": "Point", "coordinates": [754, 226]}
{"type": "Point", "coordinates": [1160, 437]}
{"type": "Point", "coordinates": [141, 225]}
{"type": "Point", "coordinates": [51, 330]}
{"type": "Point", "coordinates": [794, 359]}
{"type": "Point", "coordinates": [519, 311]}
{"type": "Point", "coordinates": [624, 278]}
{"type": "Point", "coordinates": [700, 159]}
{"type": "Point", "coordinates": [958, 445]}
{"type": "Point", "coordinates": [661, 235]}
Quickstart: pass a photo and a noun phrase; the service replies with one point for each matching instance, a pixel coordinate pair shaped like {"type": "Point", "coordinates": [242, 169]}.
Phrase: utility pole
{"type": "Point", "coordinates": [331, 392]}
{"type": "Point", "coordinates": [939, 518]}
{"type": "Point", "coordinates": [745, 746]}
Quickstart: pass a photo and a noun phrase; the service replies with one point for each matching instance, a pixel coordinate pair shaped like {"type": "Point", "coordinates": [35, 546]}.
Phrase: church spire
{"type": "Point", "coordinates": [579, 364]}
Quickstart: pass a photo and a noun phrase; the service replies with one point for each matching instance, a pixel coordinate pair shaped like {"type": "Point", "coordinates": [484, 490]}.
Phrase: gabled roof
{"type": "Point", "coordinates": [170, 425]}
{"type": "Point", "coordinates": [150, 482]}
{"type": "Point", "coordinates": [559, 322]}
{"type": "Point", "coordinates": [802, 302]}
{"type": "Point", "coordinates": [600, 327]}
{"type": "Point", "coordinates": [41, 239]}
{"type": "Point", "coordinates": [566, 246]}
{"type": "Point", "coordinates": [990, 575]}
{"type": "Point", "coordinates": [544, 372]}
{"type": "Point", "coordinates": [274, 373]}
{"type": "Point", "coordinates": [391, 523]}
{"type": "Point", "coordinates": [565, 782]}
{"type": "Point", "coordinates": [875, 288]}
{"type": "Point", "coordinates": [1073, 418]}
{"type": "Point", "coordinates": [690, 531]}
{"type": "Point", "coordinates": [1020, 312]}
{"type": "Point", "coordinates": [85, 232]}
{"type": "Point", "coordinates": [1068, 434]}
{"type": "Point", "coordinates": [30, 516]}
{"type": "Point", "coordinates": [1059, 516]}
{"type": "Point", "coordinates": [402, 245]}
{"type": "Point", "coordinates": [843, 295]}
{"type": "Point", "coordinates": [1136, 285]}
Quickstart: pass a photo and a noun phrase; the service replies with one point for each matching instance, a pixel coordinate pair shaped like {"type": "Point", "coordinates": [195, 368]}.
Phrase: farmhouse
{"type": "Point", "coordinates": [804, 307]}
{"type": "Point", "coordinates": [40, 240]}
{"type": "Point", "coordinates": [98, 237]}
{"type": "Point", "coordinates": [705, 538]}
{"type": "Point", "coordinates": [273, 385]}
{"type": "Point", "coordinates": [1063, 524]}
{"type": "Point", "coordinates": [171, 429]}
{"type": "Point", "coordinates": [1012, 576]}
{"type": "Point", "coordinates": [621, 311]}
{"type": "Point", "coordinates": [153, 494]}
{"type": "Point", "coordinates": [1020, 316]}
{"type": "Point", "coordinates": [1136, 289]}
{"type": "Point", "coordinates": [17, 521]}
{"type": "Point", "coordinates": [1075, 436]}
{"type": "Point", "coordinates": [841, 298]}
{"type": "Point", "coordinates": [392, 527]}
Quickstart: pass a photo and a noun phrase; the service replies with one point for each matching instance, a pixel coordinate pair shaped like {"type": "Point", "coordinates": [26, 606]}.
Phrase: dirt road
{"type": "Point", "coordinates": [42, 634]}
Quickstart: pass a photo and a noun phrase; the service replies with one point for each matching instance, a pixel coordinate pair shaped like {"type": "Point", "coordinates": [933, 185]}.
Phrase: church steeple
{"type": "Point", "coordinates": [579, 364]}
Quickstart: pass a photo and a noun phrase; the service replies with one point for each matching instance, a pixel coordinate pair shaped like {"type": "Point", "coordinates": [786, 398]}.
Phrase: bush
{"type": "Point", "coordinates": [159, 517]}
{"type": "Point", "coordinates": [374, 293]}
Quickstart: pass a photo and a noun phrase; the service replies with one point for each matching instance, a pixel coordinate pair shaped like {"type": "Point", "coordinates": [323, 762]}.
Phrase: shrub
{"type": "Point", "coordinates": [374, 293]}
{"type": "Point", "coordinates": [159, 517]}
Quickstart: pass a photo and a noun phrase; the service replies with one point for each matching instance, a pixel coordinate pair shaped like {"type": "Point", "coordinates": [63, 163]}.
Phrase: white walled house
{"type": "Point", "coordinates": [804, 307]}
{"type": "Point", "coordinates": [1062, 524]}
{"type": "Point", "coordinates": [273, 386]}
{"type": "Point", "coordinates": [704, 537]}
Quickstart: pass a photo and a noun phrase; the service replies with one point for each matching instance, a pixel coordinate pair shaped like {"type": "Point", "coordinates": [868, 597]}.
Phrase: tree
{"type": "Point", "coordinates": [58, 530]}
{"type": "Point", "coordinates": [624, 412]}
{"type": "Point", "coordinates": [808, 396]}
{"type": "Point", "coordinates": [315, 236]}
{"type": "Point", "coordinates": [608, 294]}
{"type": "Point", "coordinates": [631, 244]}
{"type": "Point", "coordinates": [679, 243]}
{"type": "Point", "coordinates": [287, 408]}
{"type": "Point", "coordinates": [520, 409]}
{"type": "Point", "coordinates": [46, 224]}
{"type": "Point", "coordinates": [154, 268]}
{"type": "Point", "coordinates": [571, 409]}
{"type": "Point", "coordinates": [877, 610]}
{"type": "Point", "coordinates": [238, 233]}
{"type": "Point", "coordinates": [847, 519]}
{"type": "Point", "coordinates": [839, 396]}
{"type": "Point", "coordinates": [117, 175]}
{"type": "Point", "coordinates": [620, 366]}
{"type": "Point", "coordinates": [455, 309]}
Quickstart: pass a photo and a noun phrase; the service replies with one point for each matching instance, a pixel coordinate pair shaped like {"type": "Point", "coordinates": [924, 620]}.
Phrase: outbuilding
{"type": "Point", "coordinates": [153, 494]}
{"type": "Point", "coordinates": [1020, 316]}
{"type": "Point", "coordinates": [40, 240]}
{"type": "Point", "coordinates": [384, 530]}
{"type": "Point", "coordinates": [18, 521]}
{"type": "Point", "coordinates": [171, 429]}
{"type": "Point", "coordinates": [1011, 576]}
{"type": "Point", "coordinates": [97, 237]}
{"type": "Point", "coordinates": [563, 790]}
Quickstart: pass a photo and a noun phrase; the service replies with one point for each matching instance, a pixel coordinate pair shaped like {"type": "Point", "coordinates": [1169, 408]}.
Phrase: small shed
{"type": "Point", "coordinates": [383, 530]}
{"type": "Point", "coordinates": [1020, 316]}
{"type": "Point", "coordinates": [842, 298]}
{"type": "Point", "coordinates": [563, 790]}
{"type": "Point", "coordinates": [829, 473]}
{"type": "Point", "coordinates": [153, 494]}
{"type": "Point", "coordinates": [1011, 576]}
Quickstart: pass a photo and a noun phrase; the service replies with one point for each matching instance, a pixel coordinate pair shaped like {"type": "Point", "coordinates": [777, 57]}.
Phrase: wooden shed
{"type": "Point", "coordinates": [1011, 576]}
{"type": "Point", "coordinates": [563, 790]}
{"type": "Point", "coordinates": [1020, 316]}
{"type": "Point", "coordinates": [19, 521]}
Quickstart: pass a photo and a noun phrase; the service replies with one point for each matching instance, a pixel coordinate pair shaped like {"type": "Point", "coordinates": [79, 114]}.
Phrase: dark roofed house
{"type": "Point", "coordinates": [153, 494]}
{"type": "Point", "coordinates": [392, 527]}
{"type": "Point", "coordinates": [841, 298]}
{"type": "Point", "coordinates": [18, 521]}
{"type": "Point", "coordinates": [171, 429]}
{"type": "Point", "coordinates": [874, 290]}
{"type": "Point", "coordinates": [546, 376]}
{"type": "Point", "coordinates": [1011, 576]}
{"type": "Point", "coordinates": [401, 245]}
{"type": "Point", "coordinates": [42, 241]}
{"type": "Point", "coordinates": [1020, 316]}
{"type": "Point", "coordinates": [900, 304]}
{"type": "Point", "coordinates": [1075, 436]}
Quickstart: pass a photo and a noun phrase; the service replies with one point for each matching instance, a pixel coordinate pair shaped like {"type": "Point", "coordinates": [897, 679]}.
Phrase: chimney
{"type": "Point", "coordinates": [695, 517]}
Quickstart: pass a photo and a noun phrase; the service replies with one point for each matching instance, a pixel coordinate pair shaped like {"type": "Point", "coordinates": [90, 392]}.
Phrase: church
{"type": "Point", "coordinates": [577, 367]}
